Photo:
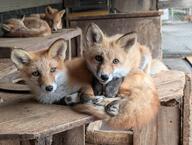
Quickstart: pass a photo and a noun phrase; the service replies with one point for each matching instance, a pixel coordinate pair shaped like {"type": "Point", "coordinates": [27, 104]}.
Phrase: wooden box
{"type": "Point", "coordinates": [146, 24]}
{"type": "Point", "coordinates": [172, 126]}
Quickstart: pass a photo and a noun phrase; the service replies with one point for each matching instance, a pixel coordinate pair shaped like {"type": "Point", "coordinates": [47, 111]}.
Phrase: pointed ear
{"type": "Point", "coordinates": [6, 27]}
{"type": "Point", "coordinates": [49, 10]}
{"type": "Point", "coordinates": [58, 49]}
{"type": "Point", "coordinates": [61, 13]}
{"type": "Point", "coordinates": [23, 18]}
{"type": "Point", "coordinates": [94, 35]}
{"type": "Point", "coordinates": [20, 57]}
{"type": "Point", "coordinates": [127, 41]}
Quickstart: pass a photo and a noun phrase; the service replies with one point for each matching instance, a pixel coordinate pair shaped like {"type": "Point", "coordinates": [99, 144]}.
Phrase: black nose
{"type": "Point", "coordinates": [49, 88]}
{"type": "Point", "coordinates": [104, 77]}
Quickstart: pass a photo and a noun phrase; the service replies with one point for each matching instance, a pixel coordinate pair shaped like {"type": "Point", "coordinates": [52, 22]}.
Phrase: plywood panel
{"type": "Point", "coordinates": [20, 4]}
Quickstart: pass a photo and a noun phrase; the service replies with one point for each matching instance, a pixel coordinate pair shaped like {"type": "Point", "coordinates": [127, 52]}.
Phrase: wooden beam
{"type": "Point", "coordinates": [9, 5]}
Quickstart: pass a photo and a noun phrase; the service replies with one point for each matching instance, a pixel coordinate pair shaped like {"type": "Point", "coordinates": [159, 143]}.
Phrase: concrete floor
{"type": "Point", "coordinates": [177, 39]}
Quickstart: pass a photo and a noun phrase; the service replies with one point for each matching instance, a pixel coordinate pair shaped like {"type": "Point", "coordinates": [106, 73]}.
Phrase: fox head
{"type": "Point", "coordinates": [108, 57]}
{"type": "Point", "coordinates": [43, 70]}
{"type": "Point", "coordinates": [54, 18]}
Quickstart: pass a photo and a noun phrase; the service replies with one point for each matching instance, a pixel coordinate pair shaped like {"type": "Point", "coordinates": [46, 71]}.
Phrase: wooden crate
{"type": "Point", "coordinates": [172, 126]}
{"type": "Point", "coordinates": [146, 24]}
{"type": "Point", "coordinates": [42, 43]}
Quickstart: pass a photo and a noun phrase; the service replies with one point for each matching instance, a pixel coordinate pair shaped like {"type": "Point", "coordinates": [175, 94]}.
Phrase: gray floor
{"type": "Point", "coordinates": [177, 39]}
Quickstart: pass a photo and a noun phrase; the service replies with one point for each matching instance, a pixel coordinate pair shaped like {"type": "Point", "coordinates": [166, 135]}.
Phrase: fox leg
{"type": "Point", "coordinates": [91, 109]}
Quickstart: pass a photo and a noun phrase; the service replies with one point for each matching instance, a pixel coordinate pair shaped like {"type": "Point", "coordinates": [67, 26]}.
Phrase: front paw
{"type": "Point", "coordinates": [98, 100]}
{"type": "Point", "coordinates": [72, 99]}
{"type": "Point", "coordinates": [112, 108]}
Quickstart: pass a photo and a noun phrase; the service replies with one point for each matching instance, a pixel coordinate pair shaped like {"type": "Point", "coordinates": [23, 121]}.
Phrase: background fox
{"type": "Point", "coordinates": [26, 27]}
{"type": "Point", "coordinates": [53, 17]}
{"type": "Point", "coordinates": [50, 79]}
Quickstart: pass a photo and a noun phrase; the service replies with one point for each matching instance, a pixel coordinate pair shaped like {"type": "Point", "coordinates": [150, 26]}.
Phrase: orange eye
{"type": "Point", "coordinates": [115, 61]}
{"type": "Point", "coordinates": [36, 73]}
{"type": "Point", "coordinates": [53, 69]}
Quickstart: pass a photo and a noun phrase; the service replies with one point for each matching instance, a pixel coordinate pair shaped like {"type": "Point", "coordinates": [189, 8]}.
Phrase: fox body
{"type": "Point", "coordinates": [26, 27]}
{"type": "Point", "coordinates": [51, 79]}
{"type": "Point", "coordinates": [188, 18]}
{"type": "Point", "coordinates": [53, 17]}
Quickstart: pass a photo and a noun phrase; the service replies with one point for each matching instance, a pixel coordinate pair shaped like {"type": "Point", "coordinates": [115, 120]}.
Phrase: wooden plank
{"type": "Point", "coordinates": [6, 67]}
{"type": "Point", "coordinates": [75, 136]}
{"type": "Point", "coordinates": [168, 125]}
{"type": "Point", "coordinates": [41, 43]}
{"type": "Point", "coordinates": [9, 5]}
{"type": "Point", "coordinates": [147, 25]}
{"type": "Point", "coordinates": [189, 59]}
{"type": "Point", "coordinates": [27, 119]}
{"type": "Point", "coordinates": [170, 85]}
{"type": "Point", "coordinates": [146, 135]}
{"type": "Point", "coordinates": [187, 112]}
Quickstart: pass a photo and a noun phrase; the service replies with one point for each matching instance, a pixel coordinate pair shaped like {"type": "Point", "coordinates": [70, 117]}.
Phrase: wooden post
{"type": "Point", "coordinates": [187, 109]}
{"type": "Point", "coordinates": [74, 136]}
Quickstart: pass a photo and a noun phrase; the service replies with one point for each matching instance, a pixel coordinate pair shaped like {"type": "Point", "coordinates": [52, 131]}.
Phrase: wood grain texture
{"type": "Point", "coordinates": [27, 119]}
{"type": "Point", "coordinates": [9, 5]}
{"type": "Point", "coordinates": [168, 125]}
{"type": "Point", "coordinates": [187, 112]}
{"type": "Point", "coordinates": [41, 43]}
{"type": "Point", "coordinates": [170, 85]}
{"type": "Point", "coordinates": [146, 24]}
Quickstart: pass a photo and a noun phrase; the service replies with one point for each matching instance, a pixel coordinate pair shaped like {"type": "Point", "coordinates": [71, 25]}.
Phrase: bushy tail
{"type": "Point", "coordinates": [157, 66]}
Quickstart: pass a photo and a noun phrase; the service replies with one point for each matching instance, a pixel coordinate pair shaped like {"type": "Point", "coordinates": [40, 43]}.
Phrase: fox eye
{"type": "Point", "coordinates": [115, 61]}
{"type": "Point", "coordinates": [99, 58]}
{"type": "Point", "coordinates": [36, 73]}
{"type": "Point", "coordinates": [53, 69]}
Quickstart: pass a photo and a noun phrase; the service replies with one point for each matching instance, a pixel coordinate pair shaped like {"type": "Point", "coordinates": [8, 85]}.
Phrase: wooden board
{"type": "Point", "coordinates": [9, 5]}
{"type": "Point", "coordinates": [146, 24]}
{"type": "Point", "coordinates": [187, 112]}
{"type": "Point", "coordinates": [41, 43]}
{"type": "Point", "coordinates": [170, 85]}
{"type": "Point", "coordinates": [27, 119]}
{"type": "Point", "coordinates": [6, 67]}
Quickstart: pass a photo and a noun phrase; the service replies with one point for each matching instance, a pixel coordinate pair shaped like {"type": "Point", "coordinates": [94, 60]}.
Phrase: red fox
{"type": "Point", "coordinates": [51, 79]}
{"type": "Point", "coordinates": [26, 27]}
{"type": "Point", "coordinates": [53, 17]}
{"type": "Point", "coordinates": [188, 18]}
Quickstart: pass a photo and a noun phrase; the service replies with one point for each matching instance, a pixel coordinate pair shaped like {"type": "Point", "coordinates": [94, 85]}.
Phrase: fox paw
{"type": "Point", "coordinates": [98, 100]}
{"type": "Point", "coordinates": [112, 108]}
{"type": "Point", "coordinates": [72, 99]}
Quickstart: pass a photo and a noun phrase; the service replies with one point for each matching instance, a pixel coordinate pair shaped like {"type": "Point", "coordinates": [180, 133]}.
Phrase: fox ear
{"type": "Point", "coordinates": [49, 10]}
{"type": "Point", "coordinates": [6, 27]}
{"type": "Point", "coordinates": [61, 13]}
{"type": "Point", "coordinates": [20, 57]}
{"type": "Point", "coordinates": [58, 49]}
{"type": "Point", "coordinates": [128, 40]}
{"type": "Point", "coordinates": [94, 35]}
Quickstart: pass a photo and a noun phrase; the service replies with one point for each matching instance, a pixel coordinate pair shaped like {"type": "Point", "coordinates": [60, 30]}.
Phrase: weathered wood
{"type": "Point", "coordinates": [6, 67]}
{"type": "Point", "coordinates": [170, 85]}
{"type": "Point", "coordinates": [11, 87]}
{"type": "Point", "coordinates": [187, 112]}
{"type": "Point", "coordinates": [74, 136]}
{"type": "Point", "coordinates": [146, 135]}
{"type": "Point", "coordinates": [98, 134]}
{"type": "Point", "coordinates": [29, 120]}
{"type": "Point", "coordinates": [146, 24]}
{"type": "Point", "coordinates": [41, 43]}
{"type": "Point", "coordinates": [168, 125]}
{"type": "Point", "coordinates": [41, 141]}
{"type": "Point", "coordinates": [9, 5]}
